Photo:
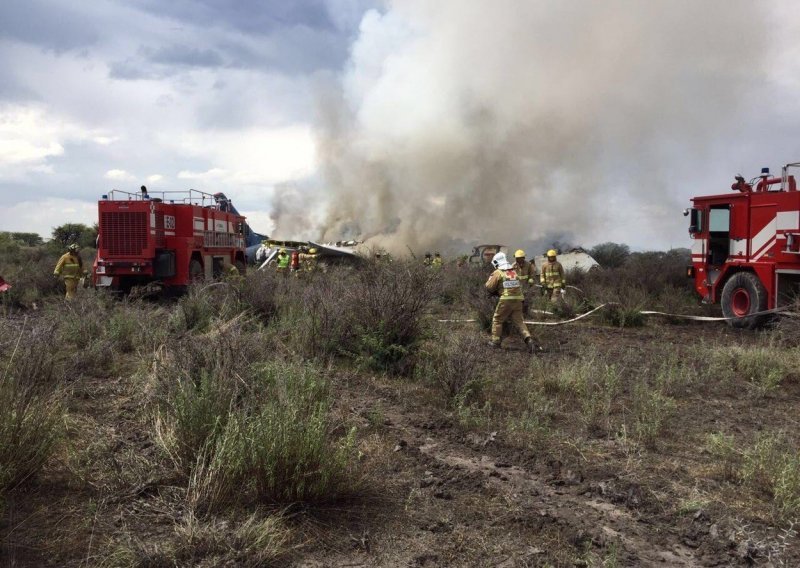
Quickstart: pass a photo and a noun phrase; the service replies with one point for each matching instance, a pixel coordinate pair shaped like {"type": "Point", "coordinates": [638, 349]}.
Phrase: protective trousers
{"type": "Point", "coordinates": [72, 286]}
{"type": "Point", "coordinates": [553, 294]}
{"type": "Point", "coordinates": [505, 310]}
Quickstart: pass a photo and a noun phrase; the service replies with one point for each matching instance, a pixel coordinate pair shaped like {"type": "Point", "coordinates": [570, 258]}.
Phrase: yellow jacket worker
{"type": "Point", "coordinates": [552, 277]}
{"type": "Point", "coordinates": [70, 268]}
{"type": "Point", "coordinates": [505, 282]}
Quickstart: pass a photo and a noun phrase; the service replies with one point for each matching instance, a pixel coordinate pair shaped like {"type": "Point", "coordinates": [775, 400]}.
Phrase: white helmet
{"type": "Point", "coordinates": [500, 261]}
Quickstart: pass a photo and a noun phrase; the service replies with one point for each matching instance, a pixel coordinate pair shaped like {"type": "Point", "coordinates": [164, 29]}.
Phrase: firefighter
{"type": "Point", "coordinates": [233, 274]}
{"type": "Point", "coordinates": [504, 282]}
{"type": "Point", "coordinates": [437, 261]}
{"type": "Point", "coordinates": [552, 277]}
{"type": "Point", "coordinates": [428, 260]}
{"type": "Point", "coordinates": [282, 262]}
{"type": "Point", "coordinates": [294, 263]}
{"type": "Point", "coordinates": [309, 260]}
{"type": "Point", "coordinates": [70, 269]}
{"type": "Point", "coordinates": [527, 274]}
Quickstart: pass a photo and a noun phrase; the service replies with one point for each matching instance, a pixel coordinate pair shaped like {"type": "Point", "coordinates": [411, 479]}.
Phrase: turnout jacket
{"type": "Point", "coordinates": [506, 283]}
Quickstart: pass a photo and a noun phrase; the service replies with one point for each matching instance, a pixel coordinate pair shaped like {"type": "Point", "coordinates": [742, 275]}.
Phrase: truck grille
{"type": "Point", "coordinates": [124, 233]}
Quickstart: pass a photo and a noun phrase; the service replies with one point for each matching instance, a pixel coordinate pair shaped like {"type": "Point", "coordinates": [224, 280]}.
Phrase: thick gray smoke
{"type": "Point", "coordinates": [510, 120]}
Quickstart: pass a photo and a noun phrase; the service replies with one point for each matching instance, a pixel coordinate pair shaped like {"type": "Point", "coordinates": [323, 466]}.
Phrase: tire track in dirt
{"type": "Point", "coordinates": [601, 521]}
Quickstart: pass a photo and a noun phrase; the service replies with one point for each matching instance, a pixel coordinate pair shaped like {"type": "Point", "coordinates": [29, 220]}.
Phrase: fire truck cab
{"type": "Point", "coordinates": [746, 246]}
{"type": "Point", "coordinates": [172, 237]}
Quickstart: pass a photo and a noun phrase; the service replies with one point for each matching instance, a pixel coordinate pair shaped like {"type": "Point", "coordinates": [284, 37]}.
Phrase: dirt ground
{"type": "Point", "coordinates": [449, 491]}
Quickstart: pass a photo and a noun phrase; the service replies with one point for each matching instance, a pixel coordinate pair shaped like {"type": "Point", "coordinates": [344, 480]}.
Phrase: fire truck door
{"type": "Point", "coordinates": [719, 227]}
{"type": "Point", "coordinates": [763, 228]}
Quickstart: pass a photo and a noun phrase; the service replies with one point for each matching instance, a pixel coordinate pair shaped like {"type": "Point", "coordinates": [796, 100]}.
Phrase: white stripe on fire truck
{"type": "Point", "coordinates": [765, 249]}
{"type": "Point", "coordinates": [762, 239]}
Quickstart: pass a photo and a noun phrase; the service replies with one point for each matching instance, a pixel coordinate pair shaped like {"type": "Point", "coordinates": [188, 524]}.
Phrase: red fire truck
{"type": "Point", "coordinates": [746, 249]}
{"type": "Point", "coordinates": [170, 237]}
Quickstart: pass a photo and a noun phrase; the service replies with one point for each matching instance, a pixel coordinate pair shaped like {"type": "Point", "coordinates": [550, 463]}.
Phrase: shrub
{"type": "Point", "coordinates": [771, 467]}
{"type": "Point", "coordinates": [374, 315]}
{"type": "Point", "coordinates": [651, 410]}
{"type": "Point", "coordinates": [725, 454]}
{"type": "Point", "coordinates": [452, 363]}
{"type": "Point", "coordinates": [30, 273]}
{"type": "Point", "coordinates": [292, 452]}
{"type": "Point", "coordinates": [31, 415]}
{"type": "Point", "coordinates": [764, 367]}
{"type": "Point", "coordinates": [84, 320]}
{"type": "Point", "coordinates": [235, 429]}
{"type": "Point", "coordinates": [258, 293]}
{"type": "Point", "coordinates": [626, 311]}
{"type": "Point", "coordinates": [257, 539]}
{"type": "Point", "coordinates": [594, 385]}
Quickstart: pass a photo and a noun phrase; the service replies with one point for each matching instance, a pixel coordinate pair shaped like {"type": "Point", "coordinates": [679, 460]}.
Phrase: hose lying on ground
{"type": "Point", "coordinates": [782, 311]}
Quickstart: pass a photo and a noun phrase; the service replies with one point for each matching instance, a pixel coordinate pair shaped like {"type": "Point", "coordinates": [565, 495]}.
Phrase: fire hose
{"type": "Point", "coordinates": [782, 310]}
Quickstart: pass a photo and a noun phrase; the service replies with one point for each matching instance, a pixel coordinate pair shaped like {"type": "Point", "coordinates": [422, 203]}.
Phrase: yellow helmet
{"type": "Point", "coordinates": [283, 250]}
{"type": "Point", "coordinates": [519, 254]}
{"type": "Point", "coordinates": [551, 252]}
{"type": "Point", "coordinates": [312, 251]}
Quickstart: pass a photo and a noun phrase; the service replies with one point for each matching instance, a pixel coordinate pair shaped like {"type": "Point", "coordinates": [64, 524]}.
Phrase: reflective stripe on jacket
{"type": "Point", "coordinates": [506, 283]}
{"type": "Point", "coordinates": [69, 265]}
{"type": "Point", "coordinates": [526, 271]}
{"type": "Point", "coordinates": [553, 275]}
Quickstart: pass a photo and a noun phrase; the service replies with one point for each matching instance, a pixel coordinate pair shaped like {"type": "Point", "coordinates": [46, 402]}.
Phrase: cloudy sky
{"type": "Point", "coordinates": [427, 121]}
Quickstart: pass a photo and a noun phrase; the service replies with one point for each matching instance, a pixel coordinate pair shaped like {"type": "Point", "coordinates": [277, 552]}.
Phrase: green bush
{"type": "Point", "coordinates": [651, 411]}
{"type": "Point", "coordinates": [770, 467]}
{"type": "Point", "coordinates": [234, 427]}
{"type": "Point", "coordinates": [763, 367]}
{"type": "Point", "coordinates": [452, 362]}
{"type": "Point", "coordinates": [373, 315]}
{"type": "Point", "coordinates": [31, 413]}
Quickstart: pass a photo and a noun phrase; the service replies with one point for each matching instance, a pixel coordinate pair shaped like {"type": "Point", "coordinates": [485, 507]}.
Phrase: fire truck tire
{"type": "Point", "coordinates": [744, 294]}
{"type": "Point", "coordinates": [195, 271]}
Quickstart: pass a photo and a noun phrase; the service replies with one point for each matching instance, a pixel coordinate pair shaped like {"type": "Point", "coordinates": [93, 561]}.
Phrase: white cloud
{"type": "Point", "coordinates": [213, 173]}
{"type": "Point", "coordinates": [27, 136]}
{"type": "Point", "coordinates": [41, 216]}
{"type": "Point", "coordinates": [119, 175]}
{"type": "Point", "coordinates": [155, 178]}
{"type": "Point", "coordinates": [104, 140]}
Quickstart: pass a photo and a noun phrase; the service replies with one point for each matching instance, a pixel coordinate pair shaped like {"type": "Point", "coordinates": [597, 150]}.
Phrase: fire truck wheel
{"type": "Point", "coordinates": [195, 271]}
{"type": "Point", "coordinates": [742, 295]}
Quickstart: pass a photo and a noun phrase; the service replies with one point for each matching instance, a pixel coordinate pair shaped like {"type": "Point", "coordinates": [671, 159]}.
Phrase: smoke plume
{"type": "Point", "coordinates": [505, 121]}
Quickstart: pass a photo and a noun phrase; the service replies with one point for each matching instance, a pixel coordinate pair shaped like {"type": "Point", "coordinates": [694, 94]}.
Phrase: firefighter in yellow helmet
{"type": "Point", "coordinates": [308, 261]}
{"type": "Point", "coordinates": [552, 277]}
{"type": "Point", "coordinates": [437, 261]}
{"type": "Point", "coordinates": [282, 262]}
{"type": "Point", "coordinates": [505, 282]}
{"type": "Point", "coordinates": [70, 269]}
{"type": "Point", "coordinates": [232, 274]}
{"type": "Point", "coordinates": [526, 270]}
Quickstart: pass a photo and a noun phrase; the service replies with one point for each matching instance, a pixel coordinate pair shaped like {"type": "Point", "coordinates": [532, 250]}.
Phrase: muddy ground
{"type": "Point", "coordinates": [446, 485]}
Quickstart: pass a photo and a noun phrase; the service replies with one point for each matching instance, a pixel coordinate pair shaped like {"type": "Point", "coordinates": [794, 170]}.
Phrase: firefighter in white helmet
{"type": "Point", "coordinates": [505, 282]}
{"type": "Point", "coordinates": [552, 277]}
{"type": "Point", "coordinates": [70, 269]}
